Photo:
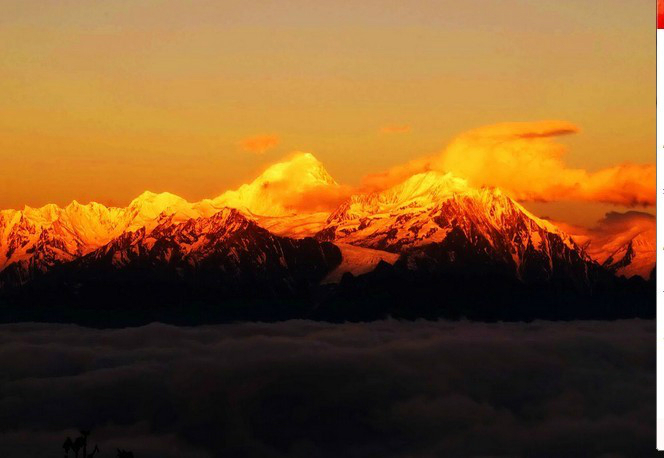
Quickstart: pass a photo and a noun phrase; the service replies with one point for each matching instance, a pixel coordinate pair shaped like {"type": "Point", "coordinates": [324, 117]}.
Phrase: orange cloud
{"type": "Point", "coordinates": [524, 160]}
{"type": "Point", "coordinates": [395, 129]}
{"type": "Point", "coordinates": [321, 198]}
{"type": "Point", "coordinates": [260, 143]}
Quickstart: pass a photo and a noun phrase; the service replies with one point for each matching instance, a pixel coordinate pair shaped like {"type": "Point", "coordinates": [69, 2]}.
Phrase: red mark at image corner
{"type": "Point", "coordinates": [660, 14]}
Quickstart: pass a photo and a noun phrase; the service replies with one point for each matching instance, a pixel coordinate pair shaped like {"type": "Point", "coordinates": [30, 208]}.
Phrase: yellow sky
{"type": "Point", "coordinates": [100, 100]}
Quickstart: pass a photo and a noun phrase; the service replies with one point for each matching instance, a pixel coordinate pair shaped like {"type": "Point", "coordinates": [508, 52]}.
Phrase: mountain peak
{"type": "Point", "coordinates": [422, 190]}
{"type": "Point", "coordinates": [44, 214]}
{"type": "Point", "coordinates": [637, 256]}
{"type": "Point", "coordinates": [150, 204]}
{"type": "Point", "coordinates": [153, 198]}
{"type": "Point", "coordinates": [301, 169]}
{"type": "Point", "coordinates": [277, 190]}
{"type": "Point", "coordinates": [431, 184]}
{"type": "Point", "coordinates": [427, 207]}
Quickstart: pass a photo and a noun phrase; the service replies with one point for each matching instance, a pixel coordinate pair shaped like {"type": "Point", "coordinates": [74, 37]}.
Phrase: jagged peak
{"type": "Point", "coordinates": [43, 208]}
{"type": "Point", "coordinates": [44, 214]}
{"type": "Point", "coordinates": [76, 207]}
{"type": "Point", "coordinates": [434, 192]}
{"type": "Point", "coordinates": [432, 183]}
{"type": "Point", "coordinates": [223, 222]}
{"type": "Point", "coordinates": [424, 189]}
{"type": "Point", "coordinates": [227, 214]}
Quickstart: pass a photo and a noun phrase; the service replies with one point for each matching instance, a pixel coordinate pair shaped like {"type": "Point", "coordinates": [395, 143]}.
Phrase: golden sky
{"type": "Point", "coordinates": [103, 99]}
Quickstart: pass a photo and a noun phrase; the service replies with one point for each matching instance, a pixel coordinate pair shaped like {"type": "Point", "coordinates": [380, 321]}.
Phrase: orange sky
{"type": "Point", "coordinates": [100, 100]}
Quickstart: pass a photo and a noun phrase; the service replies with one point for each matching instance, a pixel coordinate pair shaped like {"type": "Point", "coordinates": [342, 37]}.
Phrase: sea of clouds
{"type": "Point", "coordinates": [305, 389]}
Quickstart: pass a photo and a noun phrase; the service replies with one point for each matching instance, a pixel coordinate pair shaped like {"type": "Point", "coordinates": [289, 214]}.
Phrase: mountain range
{"type": "Point", "coordinates": [267, 242]}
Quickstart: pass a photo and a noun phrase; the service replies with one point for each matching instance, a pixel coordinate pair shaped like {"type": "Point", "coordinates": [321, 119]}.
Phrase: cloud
{"type": "Point", "coordinates": [260, 143]}
{"type": "Point", "coordinates": [396, 129]}
{"type": "Point", "coordinates": [306, 389]}
{"type": "Point", "coordinates": [320, 198]}
{"type": "Point", "coordinates": [524, 160]}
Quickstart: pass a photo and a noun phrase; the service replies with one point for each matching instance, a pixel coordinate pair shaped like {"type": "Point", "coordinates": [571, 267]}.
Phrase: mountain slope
{"type": "Point", "coordinates": [636, 257]}
{"type": "Point", "coordinates": [36, 239]}
{"type": "Point", "coordinates": [433, 208]}
{"type": "Point", "coordinates": [432, 246]}
{"type": "Point", "coordinates": [224, 256]}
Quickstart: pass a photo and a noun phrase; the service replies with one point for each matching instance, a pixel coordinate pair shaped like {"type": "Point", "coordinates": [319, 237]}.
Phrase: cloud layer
{"type": "Point", "coordinates": [524, 159]}
{"type": "Point", "coordinates": [303, 389]}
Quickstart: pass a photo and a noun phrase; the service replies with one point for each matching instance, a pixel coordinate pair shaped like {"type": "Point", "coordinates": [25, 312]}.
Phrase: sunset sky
{"type": "Point", "coordinates": [101, 100]}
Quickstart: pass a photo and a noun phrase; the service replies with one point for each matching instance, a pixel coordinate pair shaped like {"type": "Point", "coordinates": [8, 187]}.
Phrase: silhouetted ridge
{"type": "Point", "coordinates": [431, 246]}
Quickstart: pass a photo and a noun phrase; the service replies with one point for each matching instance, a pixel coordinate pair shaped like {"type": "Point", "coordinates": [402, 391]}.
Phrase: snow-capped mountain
{"type": "Point", "coordinates": [36, 239]}
{"type": "Point", "coordinates": [33, 240]}
{"type": "Point", "coordinates": [434, 208]}
{"type": "Point", "coordinates": [430, 246]}
{"type": "Point", "coordinates": [430, 220]}
{"type": "Point", "coordinates": [226, 251]}
{"type": "Point", "coordinates": [623, 243]}
{"type": "Point", "coordinates": [636, 257]}
{"type": "Point", "coordinates": [278, 190]}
